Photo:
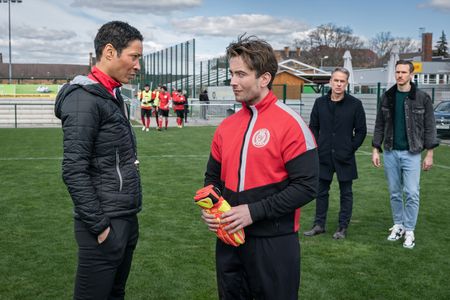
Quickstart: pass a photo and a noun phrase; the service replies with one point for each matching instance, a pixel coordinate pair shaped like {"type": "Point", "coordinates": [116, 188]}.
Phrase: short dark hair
{"type": "Point", "coordinates": [117, 33]}
{"type": "Point", "coordinates": [342, 70]}
{"type": "Point", "coordinates": [256, 53]}
{"type": "Point", "coordinates": [406, 62]}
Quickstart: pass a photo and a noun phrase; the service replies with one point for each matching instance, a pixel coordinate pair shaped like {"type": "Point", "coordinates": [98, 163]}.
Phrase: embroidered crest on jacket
{"type": "Point", "coordinates": [261, 138]}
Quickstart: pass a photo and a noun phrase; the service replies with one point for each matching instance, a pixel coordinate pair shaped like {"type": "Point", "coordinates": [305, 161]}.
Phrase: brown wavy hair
{"type": "Point", "coordinates": [256, 53]}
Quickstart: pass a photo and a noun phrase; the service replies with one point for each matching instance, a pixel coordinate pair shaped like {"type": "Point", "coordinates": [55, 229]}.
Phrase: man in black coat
{"type": "Point", "coordinates": [338, 122]}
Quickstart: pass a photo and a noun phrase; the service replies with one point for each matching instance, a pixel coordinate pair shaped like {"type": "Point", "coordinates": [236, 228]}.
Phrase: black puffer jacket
{"type": "Point", "coordinates": [99, 154]}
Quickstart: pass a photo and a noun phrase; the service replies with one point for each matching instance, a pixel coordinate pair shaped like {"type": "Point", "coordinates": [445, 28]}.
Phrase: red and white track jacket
{"type": "Point", "coordinates": [164, 98]}
{"type": "Point", "coordinates": [265, 156]}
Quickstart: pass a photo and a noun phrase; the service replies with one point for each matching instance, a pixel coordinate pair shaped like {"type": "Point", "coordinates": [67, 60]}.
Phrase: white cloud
{"type": "Point", "coordinates": [138, 6]}
{"type": "Point", "coordinates": [231, 26]}
{"type": "Point", "coordinates": [42, 33]}
{"type": "Point", "coordinates": [441, 5]}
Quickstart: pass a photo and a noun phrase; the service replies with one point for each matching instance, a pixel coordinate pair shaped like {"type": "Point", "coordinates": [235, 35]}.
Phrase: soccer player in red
{"type": "Point", "coordinates": [266, 169]}
{"type": "Point", "coordinates": [178, 100]}
{"type": "Point", "coordinates": [164, 99]}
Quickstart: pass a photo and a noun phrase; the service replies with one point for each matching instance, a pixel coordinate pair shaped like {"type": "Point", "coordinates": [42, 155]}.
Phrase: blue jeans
{"type": "Point", "coordinates": [402, 170]}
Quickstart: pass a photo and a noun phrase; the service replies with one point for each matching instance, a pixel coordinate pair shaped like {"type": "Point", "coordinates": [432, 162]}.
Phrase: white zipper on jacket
{"type": "Point", "coordinates": [244, 152]}
{"type": "Point", "coordinates": [118, 170]}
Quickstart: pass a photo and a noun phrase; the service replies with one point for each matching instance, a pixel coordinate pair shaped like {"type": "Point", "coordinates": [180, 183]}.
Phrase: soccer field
{"type": "Point", "coordinates": [175, 254]}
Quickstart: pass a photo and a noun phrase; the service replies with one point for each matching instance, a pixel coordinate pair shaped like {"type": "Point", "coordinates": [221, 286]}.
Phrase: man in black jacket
{"type": "Point", "coordinates": [204, 101]}
{"type": "Point", "coordinates": [338, 122]}
{"type": "Point", "coordinates": [405, 125]}
{"type": "Point", "coordinates": [100, 166]}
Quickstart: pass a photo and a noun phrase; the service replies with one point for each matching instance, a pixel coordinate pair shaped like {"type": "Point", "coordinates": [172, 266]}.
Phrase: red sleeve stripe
{"type": "Point", "coordinates": [309, 138]}
{"type": "Point", "coordinates": [247, 138]}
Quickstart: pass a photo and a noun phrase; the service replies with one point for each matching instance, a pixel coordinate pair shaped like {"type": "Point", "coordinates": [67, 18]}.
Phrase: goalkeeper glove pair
{"type": "Point", "coordinates": [210, 199]}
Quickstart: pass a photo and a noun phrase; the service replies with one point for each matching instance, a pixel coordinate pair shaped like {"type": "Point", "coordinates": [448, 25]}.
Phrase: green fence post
{"type": "Point", "coordinates": [182, 69]}
{"type": "Point", "coordinates": [432, 95]}
{"type": "Point", "coordinates": [226, 71]}
{"type": "Point", "coordinates": [176, 66]}
{"type": "Point", "coordinates": [171, 68]}
{"type": "Point", "coordinates": [284, 92]}
{"type": "Point", "coordinates": [209, 68]}
{"type": "Point", "coordinates": [378, 94]}
{"type": "Point", "coordinates": [193, 67]}
{"type": "Point", "coordinates": [15, 115]}
{"type": "Point", "coordinates": [217, 72]}
{"type": "Point", "coordinates": [201, 78]}
{"type": "Point", "coordinates": [186, 88]}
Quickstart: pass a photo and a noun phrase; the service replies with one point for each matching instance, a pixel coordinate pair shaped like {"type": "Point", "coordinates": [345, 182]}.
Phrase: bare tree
{"type": "Point", "coordinates": [304, 45]}
{"type": "Point", "coordinates": [382, 43]}
{"type": "Point", "coordinates": [333, 36]}
{"type": "Point", "coordinates": [406, 45]}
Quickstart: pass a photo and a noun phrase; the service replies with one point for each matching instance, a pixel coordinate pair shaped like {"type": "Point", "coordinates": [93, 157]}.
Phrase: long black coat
{"type": "Point", "coordinates": [338, 135]}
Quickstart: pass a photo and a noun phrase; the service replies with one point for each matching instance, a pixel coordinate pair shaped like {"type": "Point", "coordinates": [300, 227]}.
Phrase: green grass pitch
{"type": "Point", "coordinates": [175, 254]}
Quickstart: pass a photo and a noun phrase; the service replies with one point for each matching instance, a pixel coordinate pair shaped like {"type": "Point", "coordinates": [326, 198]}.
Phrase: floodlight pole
{"type": "Point", "coordinates": [9, 27]}
{"type": "Point", "coordinates": [9, 24]}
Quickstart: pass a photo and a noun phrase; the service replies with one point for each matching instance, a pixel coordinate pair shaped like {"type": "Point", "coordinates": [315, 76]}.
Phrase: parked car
{"type": "Point", "coordinates": [442, 116]}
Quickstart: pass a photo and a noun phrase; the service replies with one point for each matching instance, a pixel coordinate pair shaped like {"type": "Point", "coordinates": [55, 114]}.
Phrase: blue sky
{"type": "Point", "coordinates": [62, 31]}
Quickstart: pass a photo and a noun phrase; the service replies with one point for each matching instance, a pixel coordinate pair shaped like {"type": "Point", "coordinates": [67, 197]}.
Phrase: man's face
{"type": "Point", "coordinates": [338, 83]}
{"type": "Point", "coordinates": [147, 88]}
{"type": "Point", "coordinates": [246, 87]}
{"type": "Point", "coordinates": [402, 74]}
{"type": "Point", "coordinates": [124, 68]}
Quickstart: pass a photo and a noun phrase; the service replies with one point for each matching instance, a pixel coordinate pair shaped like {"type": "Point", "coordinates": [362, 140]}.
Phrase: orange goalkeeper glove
{"type": "Point", "coordinates": [210, 199]}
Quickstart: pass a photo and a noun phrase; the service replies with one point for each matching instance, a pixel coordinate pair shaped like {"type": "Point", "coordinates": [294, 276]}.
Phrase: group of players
{"type": "Point", "coordinates": [158, 103]}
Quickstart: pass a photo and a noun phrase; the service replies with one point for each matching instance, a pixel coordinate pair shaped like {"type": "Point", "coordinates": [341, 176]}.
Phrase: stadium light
{"type": "Point", "coordinates": [9, 26]}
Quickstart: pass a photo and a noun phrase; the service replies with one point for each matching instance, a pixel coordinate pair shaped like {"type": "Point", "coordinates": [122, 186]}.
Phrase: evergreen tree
{"type": "Point", "coordinates": [441, 45]}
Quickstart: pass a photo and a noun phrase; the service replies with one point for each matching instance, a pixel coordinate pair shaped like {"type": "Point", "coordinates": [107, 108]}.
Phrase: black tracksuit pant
{"type": "Point", "coordinates": [103, 269]}
{"type": "Point", "coordinates": [346, 196]}
{"type": "Point", "coordinates": [261, 268]}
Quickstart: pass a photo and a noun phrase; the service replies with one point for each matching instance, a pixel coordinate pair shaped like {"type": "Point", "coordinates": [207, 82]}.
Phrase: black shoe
{"type": "Point", "coordinates": [317, 229]}
{"type": "Point", "coordinates": [340, 233]}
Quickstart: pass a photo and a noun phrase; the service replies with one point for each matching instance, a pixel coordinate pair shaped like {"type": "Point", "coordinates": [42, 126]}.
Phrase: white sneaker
{"type": "Point", "coordinates": [397, 231]}
{"type": "Point", "coordinates": [147, 129]}
{"type": "Point", "coordinates": [143, 128]}
{"type": "Point", "coordinates": [409, 240]}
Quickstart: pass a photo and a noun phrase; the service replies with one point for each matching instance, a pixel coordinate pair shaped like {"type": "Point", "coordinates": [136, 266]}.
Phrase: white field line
{"type": "Point", "coordinates": [359, 152]}
{"type": "Point", "coordinates": [140, 156]}
{"type": "Point", "coordinates": [362, 152]}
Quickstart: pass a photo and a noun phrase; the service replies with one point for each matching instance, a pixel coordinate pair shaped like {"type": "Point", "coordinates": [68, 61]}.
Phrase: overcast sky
{"type": "Point", "coordinates": [62, 31]}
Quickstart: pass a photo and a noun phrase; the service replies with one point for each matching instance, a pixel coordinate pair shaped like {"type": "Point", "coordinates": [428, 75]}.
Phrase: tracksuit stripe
{"type": "Point", "coordinates": [309, 139]}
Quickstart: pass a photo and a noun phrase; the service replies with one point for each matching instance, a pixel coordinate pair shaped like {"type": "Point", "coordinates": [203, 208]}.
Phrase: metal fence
{"type": "Point", "coordinates": [39, 113]}
{"type": "Point", "coordinates": [24, 114]}
{"type": "Point", "coordinates": [173, 67]}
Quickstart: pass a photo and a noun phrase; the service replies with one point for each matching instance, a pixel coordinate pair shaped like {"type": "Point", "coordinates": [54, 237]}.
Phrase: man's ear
{"type": "Point", "coordinates": [109, 52]}
{"type": "Point", "coordinates": [265, 79]}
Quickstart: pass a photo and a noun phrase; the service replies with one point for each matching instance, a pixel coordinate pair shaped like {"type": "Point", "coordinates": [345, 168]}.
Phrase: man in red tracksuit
{"type": "Point", "coordinates": [264, 161]}
{"type": "Point", "coordinates": [178, 100]}
{"type": "Point", "coordinates": [164, 98]}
